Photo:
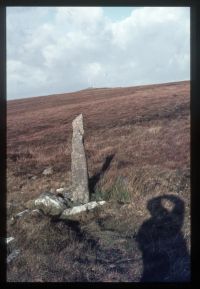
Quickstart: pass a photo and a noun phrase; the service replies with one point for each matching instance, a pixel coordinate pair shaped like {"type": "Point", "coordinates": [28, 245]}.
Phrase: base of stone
{"type": "Point", "coordinates": [79, 209]}
{"type": "Point", "coordinates": [55, 206]}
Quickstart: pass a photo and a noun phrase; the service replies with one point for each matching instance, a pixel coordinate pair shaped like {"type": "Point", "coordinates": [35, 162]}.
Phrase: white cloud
{"type": "Point", "coordinates": [54, 50]}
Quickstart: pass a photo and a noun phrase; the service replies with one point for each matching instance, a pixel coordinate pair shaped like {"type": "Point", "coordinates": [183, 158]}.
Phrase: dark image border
{"type": "Point", "coordinates": [195, 113]}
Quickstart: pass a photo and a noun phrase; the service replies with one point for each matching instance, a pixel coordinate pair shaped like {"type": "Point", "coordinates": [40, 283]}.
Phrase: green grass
{"type": "Point", "coordinates": [117, 192]}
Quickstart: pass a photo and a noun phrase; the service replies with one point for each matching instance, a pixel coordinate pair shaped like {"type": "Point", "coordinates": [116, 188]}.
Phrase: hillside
{"type": "Point", "coordinates": [137, 142]}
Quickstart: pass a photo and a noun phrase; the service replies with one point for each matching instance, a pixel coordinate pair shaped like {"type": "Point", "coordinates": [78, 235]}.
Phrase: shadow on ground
{"type": "Point", "coordinates": [96, 177]}
{"type": "Point", "coordinates": [164, 251]}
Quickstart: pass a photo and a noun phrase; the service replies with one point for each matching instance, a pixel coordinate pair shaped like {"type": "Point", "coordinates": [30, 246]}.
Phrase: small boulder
{"type": "Point", "coordinates": [33, 178]}
{"type": "Point", "coordinates": [12, 255]}
{"type": "Point", "coordinates": [48, 171]}
{"type": "Point", "coordinates": [10, 242]}
{"type": "Point", "coordinates": [60, 190]}
{"type": "Point", "coordinates": [65, 192]}
{"type": "Point", "coordinates": [12, 221]}
{"type": "Point", "coordinates": [29, 176]}
{"type": "Point", "coordinates": [49, 204]}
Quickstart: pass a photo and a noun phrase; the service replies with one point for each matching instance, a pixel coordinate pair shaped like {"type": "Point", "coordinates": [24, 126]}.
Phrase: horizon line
{"type": "Point", "coordinates": [93, 88]}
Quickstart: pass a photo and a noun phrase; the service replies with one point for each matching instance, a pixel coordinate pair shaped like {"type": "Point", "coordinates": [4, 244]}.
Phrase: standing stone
{"type": "Point", "coordinates": [79, 170]}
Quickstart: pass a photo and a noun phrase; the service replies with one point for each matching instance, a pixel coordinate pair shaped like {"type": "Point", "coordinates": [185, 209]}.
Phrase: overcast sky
{"type": "Point", "coordinates": [64, 49]}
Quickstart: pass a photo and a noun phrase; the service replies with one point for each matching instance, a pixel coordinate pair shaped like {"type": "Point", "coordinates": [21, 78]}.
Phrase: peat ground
{"type": "Point", "coordinates": [137, 142]}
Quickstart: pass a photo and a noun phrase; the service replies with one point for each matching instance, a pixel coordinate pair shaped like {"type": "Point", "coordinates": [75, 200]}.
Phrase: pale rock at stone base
{"type": "Point", "coordinates": [79, 209]}
{"type": "Point", "coordinates": [60, 190]}
{"type": "Point", "coordinates": [49, 204]}
{"type": "Point", "coordinates": [36, 213]}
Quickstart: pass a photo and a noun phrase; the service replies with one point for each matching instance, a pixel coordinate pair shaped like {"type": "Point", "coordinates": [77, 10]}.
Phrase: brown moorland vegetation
{"type": "Point", "coordinates": [137, 142]}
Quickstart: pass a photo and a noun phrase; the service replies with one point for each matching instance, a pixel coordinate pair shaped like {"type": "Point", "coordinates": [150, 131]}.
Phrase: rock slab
{"type": "Point", "coordinates": [79, 209]}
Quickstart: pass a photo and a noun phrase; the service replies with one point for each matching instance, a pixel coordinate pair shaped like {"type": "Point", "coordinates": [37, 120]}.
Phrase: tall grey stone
{"type": "Point", "coordinates": [79, 170]}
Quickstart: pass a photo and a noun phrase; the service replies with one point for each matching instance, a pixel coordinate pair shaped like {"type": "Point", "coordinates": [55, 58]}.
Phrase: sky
{"type": "Point", "coordinates": [54, 50]}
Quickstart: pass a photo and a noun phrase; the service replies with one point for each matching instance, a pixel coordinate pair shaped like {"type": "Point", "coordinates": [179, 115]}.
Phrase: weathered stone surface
{"type": "Point", "coordinates": [79, 209]}
{"type": "Point", "coordinates": [63, 190]}
{"type": "Point", "coordinates": [79, 164]}
{"type": "Point", "coordinates": [60, 190]}
{"type": "Point", "coordinates": [30, 204]}
{"type": "Point", "coordinates": [48, 171]}
{"type": "Point", "coordinates": [21, 213]}
{"type": "Point", "coordinates": [12, 221]}
{"type": "Point", "coordinates": [11, 250]}
{"type": "Point", "coordinates": [35, 213]}
{"type": "Point", "coordinates": [12, 255]}
{"type": "Point", "coordinates": [14, 218]}
{"type": "Point", "coordinates": [94, 204]}
{"type": "Point", "coordinates": [49, 204]}
{"type": "Point", "coordinates": [10, 242]}
{"type": "Point", "coordinates": [65, 193]}
{"type": "Point", "coordinates": [31, 177]}
{"type": "Point", "coordinates": [34, 178]}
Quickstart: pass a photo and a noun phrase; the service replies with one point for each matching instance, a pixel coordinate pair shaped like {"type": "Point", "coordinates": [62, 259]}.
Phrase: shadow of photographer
{"type": "Point", "coordinates": [164, 251]}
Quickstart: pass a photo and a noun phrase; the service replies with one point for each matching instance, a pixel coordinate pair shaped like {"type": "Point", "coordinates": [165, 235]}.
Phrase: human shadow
{"type": "Point", "coordinates": [164, 251]}
{"type": "Point", "coordinates": [96, 177]}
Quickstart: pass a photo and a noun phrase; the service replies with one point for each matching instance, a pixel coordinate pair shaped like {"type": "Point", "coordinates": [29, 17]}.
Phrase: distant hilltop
{"type": "Point", "coordinates": [110, 89]}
